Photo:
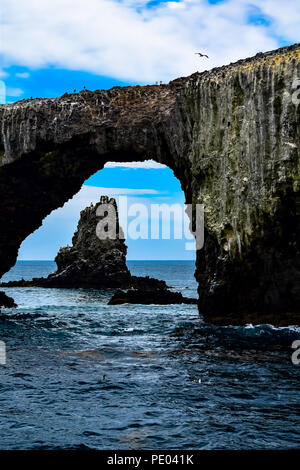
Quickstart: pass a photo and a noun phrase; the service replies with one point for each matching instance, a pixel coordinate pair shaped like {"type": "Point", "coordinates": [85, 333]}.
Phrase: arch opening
{"type": "Point", "coordinates": [151, 210]}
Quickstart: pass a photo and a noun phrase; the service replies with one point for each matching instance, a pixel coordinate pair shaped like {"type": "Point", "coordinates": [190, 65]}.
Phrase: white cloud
{"type": "Point", "coordinates": [3, 74]}
{"type": "Point", "coordinates": [147, 165]}
{"type": "Point", "coordinates": [176, 5]}
{"type": "Point", "coordinates": [89, 194]}
{"type": "Point", "coordinates": [127, 40]}
{"type": "Point", "coordinates": [23, 75]}
{"type": "Point", "coordinates": [97, 191]}
{"type": "Point", "coordinates": [14, 91]}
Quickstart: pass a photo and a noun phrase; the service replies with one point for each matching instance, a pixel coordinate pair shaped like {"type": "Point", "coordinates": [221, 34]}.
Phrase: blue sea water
{"type": "Point", "coordinates": [82, 374]}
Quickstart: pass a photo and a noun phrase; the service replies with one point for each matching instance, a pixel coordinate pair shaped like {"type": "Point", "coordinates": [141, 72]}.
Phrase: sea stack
{"type": "Point", "coordinates": [91, 261]}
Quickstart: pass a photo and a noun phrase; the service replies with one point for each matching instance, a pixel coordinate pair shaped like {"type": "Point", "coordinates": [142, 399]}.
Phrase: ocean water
{"type": "Point", "coordinates": [82, 374]}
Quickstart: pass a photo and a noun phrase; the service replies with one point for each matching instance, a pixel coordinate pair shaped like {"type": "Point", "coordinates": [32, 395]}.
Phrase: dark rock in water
{"type": "Point", "coordinates": [146, 283]}
{"type": "Point", "coordinates": [20, 283]}
{"type": "Point", "coordinates": [158, 296]}
{"type": "Point", "coordinates": [6, 301]}
{"type": "Point", "coordinates": [276, 319]}
{"type": "Point", "coordinates": [94, 260]}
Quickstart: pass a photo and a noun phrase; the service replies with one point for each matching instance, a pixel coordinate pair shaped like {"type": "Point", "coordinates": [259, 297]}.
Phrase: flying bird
{"type": "Point", "coordinates": [201, 55]}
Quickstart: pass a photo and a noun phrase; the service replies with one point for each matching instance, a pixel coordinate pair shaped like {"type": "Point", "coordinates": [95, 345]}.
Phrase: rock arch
{"type": "Point", "coordinates": [231, 136]}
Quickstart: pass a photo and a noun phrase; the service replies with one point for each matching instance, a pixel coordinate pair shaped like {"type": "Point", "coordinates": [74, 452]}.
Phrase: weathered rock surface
{"type": "Point", "coordinates": [6, 301]}
{"type": "Point", "coordinates": [93, 262]}
{"type": "Point", "coordinates": [156, 296]}
{"type": "Point", "coordinates": [232, 137]}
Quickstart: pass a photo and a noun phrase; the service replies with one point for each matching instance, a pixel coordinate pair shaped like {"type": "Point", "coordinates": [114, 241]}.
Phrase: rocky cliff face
{"type": "Point", "coordinates": [245, 168]}
{"type": "Point", "coordinates": [231, 136]}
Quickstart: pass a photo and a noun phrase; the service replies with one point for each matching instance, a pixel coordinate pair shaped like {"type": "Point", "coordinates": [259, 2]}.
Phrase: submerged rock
{"type": "Point", "coordinates": [158, 296]}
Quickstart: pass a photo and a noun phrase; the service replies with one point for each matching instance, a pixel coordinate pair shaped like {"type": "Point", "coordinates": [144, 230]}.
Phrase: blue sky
{"type": "Point", "coordinates": [54, 46]}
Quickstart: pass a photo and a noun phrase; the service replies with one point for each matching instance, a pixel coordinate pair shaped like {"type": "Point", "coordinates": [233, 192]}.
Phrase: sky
{"type": "Point", "coordinates": [51, 47]}
{"type": "Point", "coordinates": [144, 185]}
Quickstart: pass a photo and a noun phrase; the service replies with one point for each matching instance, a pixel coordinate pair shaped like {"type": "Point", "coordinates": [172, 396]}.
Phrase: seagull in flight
{"type": "Point", "coordinates": [201, 55]}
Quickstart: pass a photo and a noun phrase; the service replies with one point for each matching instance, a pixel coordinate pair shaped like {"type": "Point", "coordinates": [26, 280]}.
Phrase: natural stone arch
{"type": "Point", "coordinates": [230, 135]}
{"type": "Point", "coordinates": [61, 142]}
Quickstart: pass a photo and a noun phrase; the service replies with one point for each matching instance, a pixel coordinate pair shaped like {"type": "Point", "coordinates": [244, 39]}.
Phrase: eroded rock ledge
{"type": "Point", "coordinates": [231, 136]}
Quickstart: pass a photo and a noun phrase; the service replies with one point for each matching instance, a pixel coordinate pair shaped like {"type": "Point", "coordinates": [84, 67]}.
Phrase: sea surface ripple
{"type": "Point", "coordinates": [82, 374]}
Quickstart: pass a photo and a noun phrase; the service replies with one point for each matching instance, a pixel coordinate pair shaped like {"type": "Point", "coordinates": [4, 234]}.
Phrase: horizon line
{"type": "Point", "coordinates": [126, 260]}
